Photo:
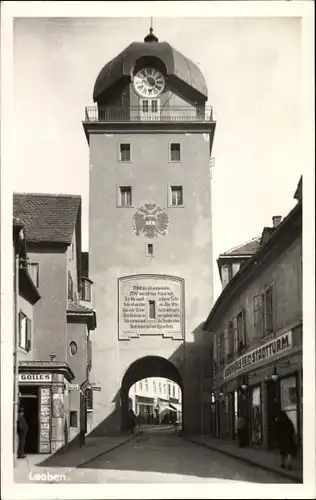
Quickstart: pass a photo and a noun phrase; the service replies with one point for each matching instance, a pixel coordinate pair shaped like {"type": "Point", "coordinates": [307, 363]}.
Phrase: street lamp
{"type": "Point", "coordinates": [274, 374]}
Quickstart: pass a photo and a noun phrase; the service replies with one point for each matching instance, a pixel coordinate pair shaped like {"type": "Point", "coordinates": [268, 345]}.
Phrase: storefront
{"type": "Point", "coordinates": [259, 384]}
{"type": "Point", "coordinates": [145, 410]}
{"type": "Point", "coordinates": [44, 397]}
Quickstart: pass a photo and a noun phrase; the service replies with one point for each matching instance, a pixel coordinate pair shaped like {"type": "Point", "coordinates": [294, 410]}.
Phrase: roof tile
{"type": "Point", "coordinates": [47, 217]}
{"type": "Point", "coordinates": [76, 307]}
{"type": "Point", "coordinates": [248, 248]}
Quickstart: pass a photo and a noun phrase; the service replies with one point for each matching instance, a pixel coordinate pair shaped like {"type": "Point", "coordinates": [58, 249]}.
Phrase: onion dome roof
{"type": "Point", "coordinates": [177, 66]}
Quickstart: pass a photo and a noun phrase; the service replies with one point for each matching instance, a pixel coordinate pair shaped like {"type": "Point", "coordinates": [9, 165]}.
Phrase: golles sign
{"type": "Point", "coordinates": [35, 377]}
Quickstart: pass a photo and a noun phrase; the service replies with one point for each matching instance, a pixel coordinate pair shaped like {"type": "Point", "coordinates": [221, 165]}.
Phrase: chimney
{"type": "Point", "coordinates": [276, 220]}
{"type": "Point", "coordinates": [52, 357]}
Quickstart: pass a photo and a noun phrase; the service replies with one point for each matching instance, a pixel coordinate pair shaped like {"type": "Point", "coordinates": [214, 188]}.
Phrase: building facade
{"type": "Point", "coordinates": [53, 361]}
{"type": "Point", "coordinates": [156, 401]}
{"type": "Point", "coordinates": [150, 237]}
{"type": "Point", "coordinates": [25, 297]}
{"type": "Point", "coordinates": [256, 327]}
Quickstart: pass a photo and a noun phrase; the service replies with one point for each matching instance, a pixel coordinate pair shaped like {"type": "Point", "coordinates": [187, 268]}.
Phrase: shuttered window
{"type": "Point", "coordinates": [28, 334]}
{"type": "Point", "coordinates": [235, 335]}
{"type": "Point", "coordinates": [263, 313]}
{"type": "Point", "coordinates": [258, 312]}
{"type": "Point", "coordinates": [22, 330]}
{"type": "Point", "coordinates": [230, 349]}
{"type": "Point", "coordinates": [268, 310]}
{"type": "Point", "coordinates": [241, 327]}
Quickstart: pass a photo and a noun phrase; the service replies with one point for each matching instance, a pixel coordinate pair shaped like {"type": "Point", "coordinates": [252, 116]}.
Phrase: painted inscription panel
{"type": "Point", "coordinates": [151, 305]}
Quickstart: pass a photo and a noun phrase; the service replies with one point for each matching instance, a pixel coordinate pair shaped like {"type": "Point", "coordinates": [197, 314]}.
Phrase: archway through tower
{"type": "Point", "coordinates": [148, 367]}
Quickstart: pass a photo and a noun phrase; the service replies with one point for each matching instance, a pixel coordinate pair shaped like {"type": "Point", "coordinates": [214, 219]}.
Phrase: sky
{"type": "Point", "coordinates": [252, 67]}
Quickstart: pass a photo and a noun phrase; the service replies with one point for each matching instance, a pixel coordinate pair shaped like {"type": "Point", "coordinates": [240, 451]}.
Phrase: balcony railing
{"type": "Point", "coordinates": [137, 114]}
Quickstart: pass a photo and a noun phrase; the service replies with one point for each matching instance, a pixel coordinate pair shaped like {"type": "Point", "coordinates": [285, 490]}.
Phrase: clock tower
{"type": "Point", "coordinates": [150, 235]}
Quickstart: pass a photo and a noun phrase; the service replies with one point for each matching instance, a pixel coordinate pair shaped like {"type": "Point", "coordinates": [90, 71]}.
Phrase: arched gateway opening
{"type": "Point", "coordinates": [146, 367]}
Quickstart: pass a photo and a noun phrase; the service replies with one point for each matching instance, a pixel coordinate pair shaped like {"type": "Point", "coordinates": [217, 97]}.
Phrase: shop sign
{"type": "Point", "coordinates": [73, 387]}
{"type": "Point", "coordinates": [35, 377]}
{"type": "Point", "coordinates": [95, 387]}
{"type": "Point", "coordinates": [265, 351]}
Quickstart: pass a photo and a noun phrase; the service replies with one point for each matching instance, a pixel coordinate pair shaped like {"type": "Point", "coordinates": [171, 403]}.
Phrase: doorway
{"type": "Point", "coordinates": [29, 402]}
{"type": "Point", "coordinates": [273, 406]}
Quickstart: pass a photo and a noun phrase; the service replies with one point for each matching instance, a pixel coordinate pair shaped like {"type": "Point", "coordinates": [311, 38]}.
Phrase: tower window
{"type": "Point", "coordinates": [174, 153]}
{"type": "Point", "coordinates": [125, 152]}
{"type": "Point", "coordinates": [154, 106]}
{"type": "Point", "coordinates": [151, 309]}
{"type": "Point", "coordinates": [176, 195]}
{"type": "Point", "coordinates": [149, 106]}
{"type": "Point", "coordinates": [125, 196]}
{"type": "Point", "coordinates": [150, 250]}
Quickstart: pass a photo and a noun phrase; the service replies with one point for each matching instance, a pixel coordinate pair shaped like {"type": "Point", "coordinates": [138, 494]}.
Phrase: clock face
{"type": "Point", "coordinates": [149, 82]}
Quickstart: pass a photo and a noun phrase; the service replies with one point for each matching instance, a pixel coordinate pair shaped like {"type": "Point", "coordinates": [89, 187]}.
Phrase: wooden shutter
{"type": "Point", "coordinates": [230, 334]}
{"type": "Point", "coordinates": [235, 335]}
{"type": "Point", "coordinates": [226, 345]}
{"type": "Point", "coordinates": [241, 330]}
{"type": "Point", "coordinates": [268, 310]}
{"type": "Point", "coordinates": [20, 327]}
{"type": "Point", "coordinates": [28, 334]}
{"type": "Point", "coordinates": [221, 348]}
{"type": "Point", "coordinates": [258, 312]}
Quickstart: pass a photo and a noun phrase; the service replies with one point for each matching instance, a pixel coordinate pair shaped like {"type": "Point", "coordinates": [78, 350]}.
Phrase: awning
{"type": "Point", "coordinates": [164, 406]}
{"type": "Point", "coordinates": [176, 406]}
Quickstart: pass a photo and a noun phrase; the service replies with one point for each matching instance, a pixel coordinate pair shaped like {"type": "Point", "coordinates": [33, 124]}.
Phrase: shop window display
{"type": "Point", "coordinates": [256, 416]}
{"type": "Point", "coordinates": [288, 394]}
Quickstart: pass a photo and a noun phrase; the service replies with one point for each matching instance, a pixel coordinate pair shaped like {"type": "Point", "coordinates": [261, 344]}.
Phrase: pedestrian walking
{"type": "Point", "coordinates": [242, 431]}
{"type": "Point", "coordinates": [131, 421]}
{"type": "Point", "coordinates": [22, 433]}
{"type": "Point", "coordinates": [286, 439]}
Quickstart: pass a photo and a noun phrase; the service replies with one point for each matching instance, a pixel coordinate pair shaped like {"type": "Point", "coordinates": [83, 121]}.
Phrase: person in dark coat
{"type": "Point", "coordinates": [22, 433]}
{"type": "Point", "coordinates": [242, 431]}
{"type": "Point", "coordinates": [286, 439]}
{"type": "Point", "coordinates": [131, 421]}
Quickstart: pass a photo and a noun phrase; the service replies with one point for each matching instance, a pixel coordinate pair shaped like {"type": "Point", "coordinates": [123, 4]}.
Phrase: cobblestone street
{"type": "Point", "coordinates": [163, 457]}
